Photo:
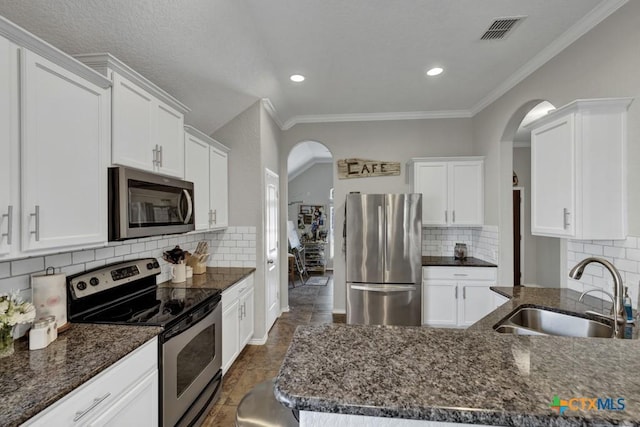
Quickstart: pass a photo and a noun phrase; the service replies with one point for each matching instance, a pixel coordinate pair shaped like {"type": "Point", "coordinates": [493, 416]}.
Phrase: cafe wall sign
{"type": "Point", "coordinates": [362, 168]}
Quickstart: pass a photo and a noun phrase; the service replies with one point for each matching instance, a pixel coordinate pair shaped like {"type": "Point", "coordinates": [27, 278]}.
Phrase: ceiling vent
{"type": "Point", "coordinates": [500, 27]}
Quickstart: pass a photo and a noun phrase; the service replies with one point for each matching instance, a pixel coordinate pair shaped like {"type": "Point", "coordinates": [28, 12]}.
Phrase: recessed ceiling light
{"type": "Point", "coordinates": [434, 71]}
{"type": "Point", "coordinates": [297, 78]}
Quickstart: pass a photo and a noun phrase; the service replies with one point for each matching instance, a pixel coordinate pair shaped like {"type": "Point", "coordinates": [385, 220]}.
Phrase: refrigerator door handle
{"type": "Point", "coordinates": [381, 237]}
{"type": "Point", "coordinates": [383, 288]}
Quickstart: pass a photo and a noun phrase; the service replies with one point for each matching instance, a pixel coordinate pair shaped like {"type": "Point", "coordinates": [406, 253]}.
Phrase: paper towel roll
{"type": "Point", "coordinates": [49, 296]}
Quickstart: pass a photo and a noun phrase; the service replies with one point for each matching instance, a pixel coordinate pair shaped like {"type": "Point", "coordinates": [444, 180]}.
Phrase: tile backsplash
{"type": "Point", "coordinates": [623, 254]}
{"type": "Point", "coordinates": [232, 247]}
{"type": "Point", "coordinates": [482, 242]}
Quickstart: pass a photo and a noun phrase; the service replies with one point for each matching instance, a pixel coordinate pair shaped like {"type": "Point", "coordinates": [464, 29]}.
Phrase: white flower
{"type": "Point", "coordinates": [13, 310]}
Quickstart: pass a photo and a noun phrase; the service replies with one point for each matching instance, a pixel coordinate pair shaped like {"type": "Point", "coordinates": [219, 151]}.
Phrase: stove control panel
{"type": "Point", "coordinates": [111, 276]}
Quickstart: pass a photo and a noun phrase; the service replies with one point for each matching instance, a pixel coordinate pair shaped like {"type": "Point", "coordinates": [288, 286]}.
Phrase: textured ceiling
{"type": "Point", "coordinates": [360, 56]}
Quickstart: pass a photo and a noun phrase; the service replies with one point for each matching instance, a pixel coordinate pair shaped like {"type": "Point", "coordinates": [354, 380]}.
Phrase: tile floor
{"type": "Point", "coordinates": [257, 363]}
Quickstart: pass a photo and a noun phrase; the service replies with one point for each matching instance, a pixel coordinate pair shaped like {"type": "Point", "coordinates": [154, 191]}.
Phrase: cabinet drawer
{"type": "Point", "coordinates": [459, 273]}
{"type": "Point", "coordinates": [233, 292]}
{"type": "Point", "coordinates": [102, 391]}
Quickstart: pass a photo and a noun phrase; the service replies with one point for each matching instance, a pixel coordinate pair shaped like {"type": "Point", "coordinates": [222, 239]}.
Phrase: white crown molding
{"type": "Point", "coordinates": [369, 117]}
{"type": "Point", "coordinates": [271, 109]}
{"type": "Point", "coordinates": [24, 39]}
{"type": "Point", "coordinates": [103, 62]}
{"type": "Point", "coordinates": [205, 138]}
{"type": "Point", "coordinates": [587, 23]}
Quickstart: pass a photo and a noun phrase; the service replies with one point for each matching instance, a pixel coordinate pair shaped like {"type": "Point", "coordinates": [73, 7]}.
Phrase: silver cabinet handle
{"type": "Point", "coordinates": [446, 217]}
{"type": "Point", "coordinates": [9, 216]}
{"type": "Point", "coordinates": [210, 217]}
{"type": "Point", "coordinates": [215, 216]}
{"type": "Point", "coordinates": [464, 292]}
{"type": "Point", "coordinates": [155, 155]}
{"type": "Point", "coordinates": [37, 217]}
{"type": "Point", "coordinates": [95, 403]}
{"type": "Point", "coordinates": [566, 214]}
{"type": "Point", "coordinates": [453, 216]}
{"type": "Point", "coordinates": [244, 310]}
{"type": "Point", "coordinates": [160, 155]}
{"type": "Point", "coordinates": [239, 312]}
{"type": "Point", "coordinates": [460, 274]}
{"type": "Point", "coordinates": [456, 292]}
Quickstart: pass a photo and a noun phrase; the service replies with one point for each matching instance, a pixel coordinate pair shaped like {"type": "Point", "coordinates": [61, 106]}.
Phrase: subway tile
{"type": "Point", "coordinates": [229, 243]}
{"type": "Point", "coordinates": [615, 251]}
{"type": "Point", "coordinates": [5, 269]}
{"type": "Point", "coordinates": [632, 254]}
{"type": "Point", "coordinates": [122, 250]}
{"type": "Point", "coordinates": [593, 249]}
{"type": "Point", "coordinates": [94, 264]}
{"type": "Point", "coordinates": [627, 265]}
{"type": "Point", "coordinates": [629, 242]}
{"type": "Point", "coordinates": [58, 260]}
{"type": "Point", "coordinates": [114, 259]}
{"type": "Point", "coordinates": [15, 283]}
{"type": "Point", "coordinates": [137, 247]}
{"type": "Point", "coordinates": [83, 256]}
{"type": "Point", "coordinates": [105, 253]}
{"type": "Point", "coordinates": [242, 230]}
{"type": "Point", "coordinates": [73, 269]}
{"type": "Point", "coordinates": [150, 245]}
{"type": "Point", "coordinates": [27, 266]}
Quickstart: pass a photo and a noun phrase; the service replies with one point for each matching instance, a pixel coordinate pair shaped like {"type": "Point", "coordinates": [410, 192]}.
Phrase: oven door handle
{"type": "Point", "coordinates": [188, 322]}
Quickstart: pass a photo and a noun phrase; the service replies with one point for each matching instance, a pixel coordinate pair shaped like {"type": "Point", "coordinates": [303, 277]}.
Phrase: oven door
{"type": "Point", "coordinates": [191, 357]}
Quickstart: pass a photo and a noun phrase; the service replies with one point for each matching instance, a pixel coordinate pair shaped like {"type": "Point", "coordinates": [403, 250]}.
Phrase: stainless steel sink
{"type": "Point", "coordinates": [539, 321]}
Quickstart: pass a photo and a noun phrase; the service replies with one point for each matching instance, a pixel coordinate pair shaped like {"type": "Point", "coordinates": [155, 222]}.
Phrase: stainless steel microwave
{"type": "Point", "coordinates": [144, 204]}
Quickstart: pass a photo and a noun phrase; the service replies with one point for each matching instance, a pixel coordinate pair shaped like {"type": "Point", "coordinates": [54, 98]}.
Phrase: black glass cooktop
{"type": "Point", "coordinates": [155, 307]}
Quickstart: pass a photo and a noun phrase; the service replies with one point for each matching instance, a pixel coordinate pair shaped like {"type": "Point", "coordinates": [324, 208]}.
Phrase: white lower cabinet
{"type": "Point", "coordinates": [457, 296]}
{"type": "Point", "coordinates": [237, 320]}
{"type": "Point", "coordinates": [125, 394]}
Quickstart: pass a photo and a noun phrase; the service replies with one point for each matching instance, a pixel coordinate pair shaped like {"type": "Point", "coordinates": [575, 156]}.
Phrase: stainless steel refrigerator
{"type": "Point", "coordinates": [383, 235]}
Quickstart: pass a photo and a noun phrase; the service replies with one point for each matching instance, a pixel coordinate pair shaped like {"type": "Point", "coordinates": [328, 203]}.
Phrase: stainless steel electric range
{"type": "Point", "coordinates": [190, 350]}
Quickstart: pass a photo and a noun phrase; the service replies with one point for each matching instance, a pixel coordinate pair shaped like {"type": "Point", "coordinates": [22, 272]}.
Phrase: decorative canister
{"type": "Point", "coordinates": [460, 251]}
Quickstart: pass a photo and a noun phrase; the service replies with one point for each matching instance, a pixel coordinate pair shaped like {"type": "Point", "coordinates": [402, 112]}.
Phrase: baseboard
{"type": "Point", "coordinates": [259, 341]}
{"type": "Point", "coordinates": [284, 310]}
{"type": "Point", "coordinates": [339, 311]}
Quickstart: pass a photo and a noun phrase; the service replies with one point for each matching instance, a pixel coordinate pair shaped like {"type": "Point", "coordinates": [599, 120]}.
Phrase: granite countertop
{"type": "Point", "coordinates": [215, 278]}
{"type": "Point", "coordinates": [474, 376]}
{"type": "Point", "coordinates": [449, 261]}
{"type": "Point", "coordinates": [33, 380]}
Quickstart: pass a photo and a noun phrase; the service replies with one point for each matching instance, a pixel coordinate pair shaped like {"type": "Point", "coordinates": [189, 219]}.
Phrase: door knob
{"type": "Point", "coordinates": [269, 261]}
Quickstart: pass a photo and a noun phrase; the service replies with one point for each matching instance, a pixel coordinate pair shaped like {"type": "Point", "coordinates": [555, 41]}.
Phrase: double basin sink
{"type": "Point", "coordinates": [540, 321]}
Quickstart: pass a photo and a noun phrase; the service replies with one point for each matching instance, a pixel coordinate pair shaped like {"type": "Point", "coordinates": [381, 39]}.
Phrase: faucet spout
{"type": "Point", "coordinates": [576, 273]}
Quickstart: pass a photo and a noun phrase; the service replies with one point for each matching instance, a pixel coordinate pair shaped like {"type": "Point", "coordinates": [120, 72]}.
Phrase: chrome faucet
{"type": "Point", "coordinates": [576, 273]}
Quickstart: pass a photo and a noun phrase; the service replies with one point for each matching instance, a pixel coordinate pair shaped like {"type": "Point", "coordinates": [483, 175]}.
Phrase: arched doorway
{"type": "Point", "coordinates": [526, 259]}
{"type": "Point", "coordinates": [310, 209]}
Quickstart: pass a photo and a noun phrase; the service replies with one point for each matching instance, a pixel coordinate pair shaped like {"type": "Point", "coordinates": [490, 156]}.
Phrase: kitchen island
{"type": "Point", "coordinates": [405, 376]}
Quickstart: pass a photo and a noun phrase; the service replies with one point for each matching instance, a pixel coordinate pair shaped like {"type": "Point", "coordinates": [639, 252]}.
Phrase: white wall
{"type": "Point", "coordinates": [385, 140]}
{"type": "Point", "coordinates": [603, 63]}
{"type": "Point", "coordinates": [253, 139]}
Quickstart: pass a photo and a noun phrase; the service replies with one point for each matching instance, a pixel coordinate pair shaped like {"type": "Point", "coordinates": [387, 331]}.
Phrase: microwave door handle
{"type": "Point", "coordinates": [187, 217]}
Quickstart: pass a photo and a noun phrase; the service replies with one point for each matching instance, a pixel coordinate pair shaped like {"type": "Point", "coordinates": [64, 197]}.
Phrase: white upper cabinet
{"type": "Point", "coordinates": [206, 165]}
{"type": "Point", "coordinates": [54, 136]}
{"type": "Point", "coordinates": [9, 147]}
{"type": "Point", "coordinates": [452, 190]}
{"type": "Point", "coordinates": [578, 171]}
{"type": "Point", "coordinates": [65, 137]}
{"type": "Point", "coordinates": [147, 121]}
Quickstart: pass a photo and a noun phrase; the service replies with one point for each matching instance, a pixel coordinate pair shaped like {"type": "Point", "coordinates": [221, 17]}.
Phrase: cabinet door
{"type": "Point", "coordinates": [439, 303]}
{"type": "Point", "coordinates": [137, 407]}
{"type": "Point", "coordinates": [133, 113]}
{"type": "Point", "coordinates": [9, 147]}
{"type": "Point", "coordinates": [197, 171]}
{"type": "Point", "coordinates": [169, 136]}
{"type": "Point", "coordinates": [466, 193]}
{"type": "Point", "coordinates": [476, 301]}
{"type": "Point", "coordinates": [430, 179]}
{"type": "Point", "coordinates": [219, 188]}
{"type": "Point", "coordinates": [246, 324]}
{"type": "Point", "coordinates": [553, 178]}
{"type": "Point", "coordinates": [230, 334]}
{"type": "Point", "coordinates": [65, 135]}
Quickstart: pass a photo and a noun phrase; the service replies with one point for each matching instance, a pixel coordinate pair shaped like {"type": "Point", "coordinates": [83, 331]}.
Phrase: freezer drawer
{"type": "Point", "coordinates": [384, 304]}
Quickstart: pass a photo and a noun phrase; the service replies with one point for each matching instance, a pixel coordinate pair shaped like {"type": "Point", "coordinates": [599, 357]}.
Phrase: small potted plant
{"type": "Point", "coordinates": [12, 311]}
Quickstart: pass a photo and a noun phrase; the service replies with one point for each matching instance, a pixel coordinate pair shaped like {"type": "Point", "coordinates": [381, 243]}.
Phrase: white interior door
{"type": "Point", "coordinates": [271, 241]}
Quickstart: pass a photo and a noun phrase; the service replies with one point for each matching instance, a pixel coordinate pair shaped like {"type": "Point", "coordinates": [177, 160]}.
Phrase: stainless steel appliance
{"type": "Point", "coordinates": [145, 204]}
{"type": "Point", "coordinates": [384, 258]}
{"type": "Point", "coordinates": [190, 352]}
